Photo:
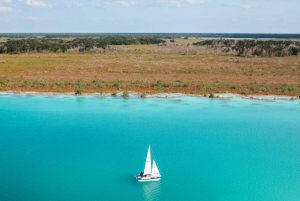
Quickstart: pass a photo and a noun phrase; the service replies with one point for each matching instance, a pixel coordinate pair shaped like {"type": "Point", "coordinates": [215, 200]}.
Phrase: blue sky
{"type": "Point", "coordinates": [148, 16]}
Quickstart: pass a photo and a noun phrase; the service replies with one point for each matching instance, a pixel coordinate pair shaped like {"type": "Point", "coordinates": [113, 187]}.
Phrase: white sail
{"type": "Point", "coordinates": [155, 171]}
{"type": "Point", "coordinates": [147, 169]}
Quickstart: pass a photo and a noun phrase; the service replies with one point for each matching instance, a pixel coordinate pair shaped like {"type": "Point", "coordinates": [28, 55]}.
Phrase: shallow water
{"type": "Point", "coordinates": [61, 147]}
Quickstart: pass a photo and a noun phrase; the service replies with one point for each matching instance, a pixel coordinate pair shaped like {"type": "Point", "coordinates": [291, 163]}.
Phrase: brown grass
{"type": "Point", "coordinates": [150, 63]}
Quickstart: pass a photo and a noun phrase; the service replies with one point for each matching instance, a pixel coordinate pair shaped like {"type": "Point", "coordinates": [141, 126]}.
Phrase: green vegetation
{"type": "Point", "coordinates": [212, 95]}
{"type": "Point", "coordinates": [126, 94]}
{"type": "Point", "coordinates": [143, 95]}
{"type": "Point", "coordinates": [100, 83]}
{"type": "Point", "coordinates": [245, 92]}
{"type": "Point", "coordinates": [79, 91]}
{"type": "Point", "coordinates": [13, 46]}
{"type": "Point", "coordinates": [253, 47]}
{"type": "Point", "coordinates": [91, 86]}
{"type": "Point", "coordinates": [119, 84]}
{"type": "Point", "coordinates": [4, 80]}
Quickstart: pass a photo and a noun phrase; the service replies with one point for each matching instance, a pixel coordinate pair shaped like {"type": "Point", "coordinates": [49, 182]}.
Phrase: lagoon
{"type": "Point", "coordinates": [62, 147]}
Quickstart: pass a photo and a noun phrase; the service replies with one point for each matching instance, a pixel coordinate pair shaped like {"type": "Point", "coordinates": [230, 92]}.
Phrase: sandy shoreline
{"type": "Point", "coordinates": [167, 95]}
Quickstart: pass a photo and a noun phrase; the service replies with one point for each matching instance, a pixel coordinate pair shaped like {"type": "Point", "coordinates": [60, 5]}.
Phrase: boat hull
{"type": "Point", "coordinates": [147, 179]}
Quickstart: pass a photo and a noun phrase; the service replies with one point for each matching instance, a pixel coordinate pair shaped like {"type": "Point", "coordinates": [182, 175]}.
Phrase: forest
{"type": "Point", "coordinates": [57, 43]}
{"type": "Point", "coordinates": [12, 46]}
{"type": "Point", "coordinates": [253, 47]}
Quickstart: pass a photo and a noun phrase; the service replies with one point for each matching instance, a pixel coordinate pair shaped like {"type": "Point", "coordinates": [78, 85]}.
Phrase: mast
{"type": "Point", "coordinates": [155, 171]}
{"type": "Point", "coordinates": [147, 169]}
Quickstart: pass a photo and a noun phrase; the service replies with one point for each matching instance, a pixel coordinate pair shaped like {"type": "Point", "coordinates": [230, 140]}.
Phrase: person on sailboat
{"type": "Point", "coordinates": [141, 174]}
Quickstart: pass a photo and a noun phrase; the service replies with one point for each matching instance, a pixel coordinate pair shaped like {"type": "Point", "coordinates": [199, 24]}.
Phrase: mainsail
{"type": "Point", "coordinates": [155, 171]}
{"type": "Point", "coordinates": [147, 169]}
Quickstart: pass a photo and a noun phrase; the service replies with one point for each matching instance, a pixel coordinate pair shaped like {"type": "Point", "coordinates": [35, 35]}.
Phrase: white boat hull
{"type": "Point", "coordinates": [146, 179]}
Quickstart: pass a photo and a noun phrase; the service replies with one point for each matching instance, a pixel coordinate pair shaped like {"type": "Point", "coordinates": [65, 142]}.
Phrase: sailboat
{"type": "Point", "coordinates": [149, 174]}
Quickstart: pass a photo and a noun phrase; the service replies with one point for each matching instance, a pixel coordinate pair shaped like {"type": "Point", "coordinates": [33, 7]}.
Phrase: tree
{"type": "Point", "coordinates": [212, 95]}
{"type": "Point", "coordinates": [79, 91]}
{"type": "Point", "coordinates": [126, 94]}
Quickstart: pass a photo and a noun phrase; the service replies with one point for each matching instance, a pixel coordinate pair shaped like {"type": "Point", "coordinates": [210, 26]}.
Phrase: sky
{"type": "Point", "coordinates": [149, 16]}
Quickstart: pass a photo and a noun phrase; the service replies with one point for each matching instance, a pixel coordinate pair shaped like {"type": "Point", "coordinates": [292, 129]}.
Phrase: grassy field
{"type": "Point", "coordinates": [144, 68]}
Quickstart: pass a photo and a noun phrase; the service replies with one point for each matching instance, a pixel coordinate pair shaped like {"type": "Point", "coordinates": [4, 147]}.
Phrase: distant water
{"type": "Point", "coordinates": [160, 35]}
{"type": "Point", "coordinates": [61, 147]}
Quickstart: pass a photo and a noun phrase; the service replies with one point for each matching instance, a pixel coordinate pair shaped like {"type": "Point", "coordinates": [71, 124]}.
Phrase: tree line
{"type": "Point", "coordinates": [60, 45]}
{"type": "Point", "coordinates": [253, 47]}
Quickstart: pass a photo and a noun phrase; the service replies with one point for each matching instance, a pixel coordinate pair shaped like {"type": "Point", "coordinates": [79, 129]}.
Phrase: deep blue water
{"type": "Point", "coordinates": [62, 147]}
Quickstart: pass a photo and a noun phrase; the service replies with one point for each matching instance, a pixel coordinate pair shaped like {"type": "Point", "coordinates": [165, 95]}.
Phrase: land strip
{"type": "Point", "coordinates": [148, 69]}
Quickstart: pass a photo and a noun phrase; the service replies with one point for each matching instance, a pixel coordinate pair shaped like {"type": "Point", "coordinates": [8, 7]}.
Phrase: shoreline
{"type": "Point", "coordinates": [164, 95]}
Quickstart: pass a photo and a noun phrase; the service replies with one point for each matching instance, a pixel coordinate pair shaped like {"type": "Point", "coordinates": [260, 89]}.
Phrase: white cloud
{"type": "Point", "coordinates": [120, 3]}
{"type": "Point", "coordinates": [5, 9]}
{"type": "Point", "coordinates": [37, 3]}
{"type": "Point", "coordinates": [75, 4]}
{"type": "Point", "coordinates": [235, 20]}
{"type": "Point", "coordinates": [196, 1]}
{"type": "Point", "coordinates": [182, 1]}
{"type": "Point", "coordinates": [6, 1]}
{"type": "Point", "coordinates": [78, 4]}
{"type": "Point", "coordinates": [31, 18]}
{"type": "Point", "coordinates": [129, 3]}
{"type": "Point", "coordinates": [245, 6]}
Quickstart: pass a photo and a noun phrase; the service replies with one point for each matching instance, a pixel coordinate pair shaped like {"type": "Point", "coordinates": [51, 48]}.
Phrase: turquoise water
{"type": "Point", "coordinates": [61, 147]}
